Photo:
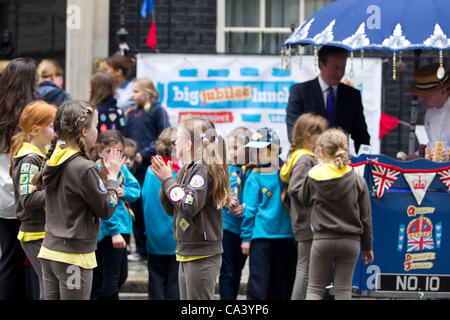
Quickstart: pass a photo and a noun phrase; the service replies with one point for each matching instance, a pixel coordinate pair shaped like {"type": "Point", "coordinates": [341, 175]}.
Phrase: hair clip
{"type": "Point", "coordinates": [202, 136]}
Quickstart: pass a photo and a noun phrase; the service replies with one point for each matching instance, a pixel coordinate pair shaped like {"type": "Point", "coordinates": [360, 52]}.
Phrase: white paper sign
{"type": "Point", "coordinates": [249, 90]}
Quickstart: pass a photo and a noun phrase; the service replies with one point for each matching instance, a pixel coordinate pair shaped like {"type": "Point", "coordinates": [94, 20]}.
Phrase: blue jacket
{"type": "Point", "coordinates": [158, 224]}
{"type": "Point", "coordinates": [110, 116]}
{"type": "Point", "coordinates": [230, 221]}
{"type": "Point", "coordinates": [52, 93]}
{"type": "Point", "coordinates": [121, 221]}
{"type": "Point", "coordinates": [145, 128]}
{"type": "Point", "coordinates": [265, 215]}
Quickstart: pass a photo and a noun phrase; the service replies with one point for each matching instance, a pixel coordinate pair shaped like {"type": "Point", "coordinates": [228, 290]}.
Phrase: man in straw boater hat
{"type": "Point", "coordinates": [434, 94]}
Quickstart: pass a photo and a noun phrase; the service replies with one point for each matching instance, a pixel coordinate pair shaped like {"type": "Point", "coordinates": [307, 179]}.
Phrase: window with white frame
{"type": "Point", "coordinates": [260, 26]}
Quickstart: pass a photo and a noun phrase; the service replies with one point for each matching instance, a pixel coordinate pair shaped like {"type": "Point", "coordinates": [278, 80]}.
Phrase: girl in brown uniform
{"type": "Point", "coordinates": [341, 217]}
{"type": "Point", "coordinates": [195, 199]}
{"type": "Point", "coordinates": [300, 160]}
{"type": "Point", "coordinates": [77, 194]}
{"type": "Point", "coordinates": [27, 154]}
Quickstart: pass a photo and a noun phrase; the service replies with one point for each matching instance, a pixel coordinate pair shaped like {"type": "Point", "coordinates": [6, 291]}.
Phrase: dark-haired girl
{"type": "Point", "coordinates": [110, 117]}
{"type": "Point", "coordinates": [118, 67]}
{"type": "Point", "coordinates": [112, 270]}
{"type": "Point", "coordinates": [17, 89]}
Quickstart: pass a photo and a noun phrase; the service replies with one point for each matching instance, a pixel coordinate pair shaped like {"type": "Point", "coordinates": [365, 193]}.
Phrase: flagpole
{"type": "Point", "coordinates": [153, 20]}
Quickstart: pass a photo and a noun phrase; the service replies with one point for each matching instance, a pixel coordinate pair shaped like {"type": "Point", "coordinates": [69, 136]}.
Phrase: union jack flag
{"type": "Point", "coordinates": [420, 243]}
{"type": "Point", "coordinates": [445, 177]}
{"type": "Point", "coordinates": [383, 178]}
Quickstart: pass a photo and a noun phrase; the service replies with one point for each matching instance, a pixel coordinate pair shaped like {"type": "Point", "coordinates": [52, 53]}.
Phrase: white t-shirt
{"type": "Point", "coordinates": [7, 205]}
{"type": "Point", "coordinates": [437, 125]}
{"type": "Point", "coordinates": [123, 96]}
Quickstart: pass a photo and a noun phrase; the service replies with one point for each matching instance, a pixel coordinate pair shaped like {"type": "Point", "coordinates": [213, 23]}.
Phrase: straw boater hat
{"type": "Point", "coordinates": [426, 80]}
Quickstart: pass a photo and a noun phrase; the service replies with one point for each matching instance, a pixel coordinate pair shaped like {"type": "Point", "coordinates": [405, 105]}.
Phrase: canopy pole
{"type": "Point", "coordinates": [414, 103]}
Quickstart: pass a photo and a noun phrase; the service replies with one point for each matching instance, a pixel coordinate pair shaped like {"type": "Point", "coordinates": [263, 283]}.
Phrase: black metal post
{"type": "Point", "coordinates": [122, 33]}
{"type": "Point", "coordinates": [246, 42]}
{"type": "Point", "coordinates": [169, 25]}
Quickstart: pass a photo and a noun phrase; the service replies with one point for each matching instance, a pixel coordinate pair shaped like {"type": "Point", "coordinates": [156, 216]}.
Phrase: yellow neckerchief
{"type": "Point", "coordinates": [285, 171]}
{"type": "Point", "coordinates": [28, 148]}
{"type": "Point", "coordinates": [60, 155]}
{"type": "Point", "coordinates": [325, 171]}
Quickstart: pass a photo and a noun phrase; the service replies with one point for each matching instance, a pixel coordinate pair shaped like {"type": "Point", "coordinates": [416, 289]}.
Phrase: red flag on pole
{"type": "Point", "coordinates": [151, 37]}
{"type": "Point", "coordinates": [387, 123]}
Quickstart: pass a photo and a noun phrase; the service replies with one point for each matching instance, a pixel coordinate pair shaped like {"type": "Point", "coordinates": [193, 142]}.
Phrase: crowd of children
{"type": "Point", "coordinates": [197, 203]}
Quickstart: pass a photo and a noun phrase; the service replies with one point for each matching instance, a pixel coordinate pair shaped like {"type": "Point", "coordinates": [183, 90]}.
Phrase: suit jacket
{"type": "Point", "coordinates": [307, 97]}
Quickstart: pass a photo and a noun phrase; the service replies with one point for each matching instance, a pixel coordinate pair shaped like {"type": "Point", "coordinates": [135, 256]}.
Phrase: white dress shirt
{"type": "Point", "coordinates": [324, 88]}
{"type": "Point", "coordinates": [437, 125]}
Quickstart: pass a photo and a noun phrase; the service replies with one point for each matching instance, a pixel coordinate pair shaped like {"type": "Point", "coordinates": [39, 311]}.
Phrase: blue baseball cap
{"type": "Point", "coordinates": [262, 138]}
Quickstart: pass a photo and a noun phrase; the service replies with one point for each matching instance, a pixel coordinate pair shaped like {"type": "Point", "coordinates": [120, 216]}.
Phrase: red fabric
{"type": "Point", "coordinates": [175, 163]}
{"type": "Point", "coordinates": [387, 123]}
{"type": "Point", "coordinates": [151, 37]}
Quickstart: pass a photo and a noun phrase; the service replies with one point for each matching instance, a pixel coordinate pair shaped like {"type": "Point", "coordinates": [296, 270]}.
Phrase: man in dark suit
{"type": "Point", "coordinates": [326, 96]}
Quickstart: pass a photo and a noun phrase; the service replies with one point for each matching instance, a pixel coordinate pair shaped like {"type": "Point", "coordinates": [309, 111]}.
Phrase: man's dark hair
{"type": "Point", "coordinates": [325, 51]}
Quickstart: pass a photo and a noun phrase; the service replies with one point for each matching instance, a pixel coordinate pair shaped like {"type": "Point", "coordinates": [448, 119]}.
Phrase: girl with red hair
{"type": "Point", "coordinates": [26, 156]}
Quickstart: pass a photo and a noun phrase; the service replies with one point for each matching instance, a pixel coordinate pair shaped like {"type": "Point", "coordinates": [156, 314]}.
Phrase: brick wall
{"type": "Point", "coordinates": [181, 26]}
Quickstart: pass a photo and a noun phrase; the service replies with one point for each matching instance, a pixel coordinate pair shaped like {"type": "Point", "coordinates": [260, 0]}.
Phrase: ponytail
{"type": "Point", "coordinates": [211, 148]}
{"type": "Point", "coordinates": [71, 117]}
{"type": "Point", "coordinates": [307, 125]}
{"type": "Point", "coordinates": [37, 179]}
{"type": "Point", "coordinates": [341, 159]}
{"type": "Point", "coordinates": [214, 156]}
{"type": "Point", "coordinates": [334, 142]}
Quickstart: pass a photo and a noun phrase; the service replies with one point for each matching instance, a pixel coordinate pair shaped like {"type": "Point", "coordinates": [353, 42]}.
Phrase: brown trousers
{"type": "Point", "coordinates": [301, 275]}
{"type": "Point", "coordinates": [64, 281]}
{"type": "Point", "coordinates": [344, 253]}
{"type": "Point", "coordinates": [197, 278]}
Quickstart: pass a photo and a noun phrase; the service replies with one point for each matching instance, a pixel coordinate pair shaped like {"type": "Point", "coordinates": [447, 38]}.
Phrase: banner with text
{"type": "Point", "coordinates": [250, 91]}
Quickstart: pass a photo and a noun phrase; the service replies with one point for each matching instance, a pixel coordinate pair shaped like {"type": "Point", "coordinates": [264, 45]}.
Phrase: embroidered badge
{"type": "Point", "coordinates": [31, 188]}
{"type": "Point", "coordinates": [189, 199]}
{"type": "Point", "coordinates": [184, 224]}
{"type": "Point", "coordinates": [112, 116]}
{"type": "Point", "coordinates": [101, 186]}
{"type": "Point", "coordinates": [113, 200]}
{"type": "Point", "coordinates": [25, 168]}
{"type": "Point", "coordinates": [102, 117]}
{"type": "Point", "coordinates": [266, 192]}
{"type": "Point", "coordinates": [23, 190]}
{"type": "Point", "coordinates": [197, 181]}
{"type": "Point", "coordinates": [176, 194]}
{"type": "Point", "coordinates": [23, 178]}
{"type": "Point", "coordinates": [34, 169]}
